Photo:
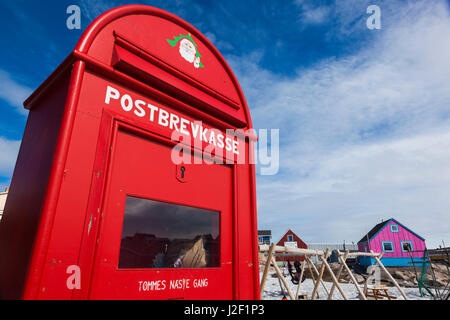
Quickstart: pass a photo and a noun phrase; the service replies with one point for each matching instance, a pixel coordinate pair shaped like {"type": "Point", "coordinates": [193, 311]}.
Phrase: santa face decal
{"type": "Point", "coordinates": [197, 62]}
{"type": "Point", "coordinates": [188, 49]}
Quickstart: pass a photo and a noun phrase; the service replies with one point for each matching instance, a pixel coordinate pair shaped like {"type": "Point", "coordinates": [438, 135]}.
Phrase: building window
{"type": "Point", "coordinates": [290, 238]}
{"type": "Point", "coordinates": [264, 240]}
{"type": "Point", "coordinates": [388, 246]}
{"type": "Point", "coordinates": [406, 246]}
{"type": "Point", "coordinates": [164, 235]}
{"type": "Point", "coordinates": [394, 228]}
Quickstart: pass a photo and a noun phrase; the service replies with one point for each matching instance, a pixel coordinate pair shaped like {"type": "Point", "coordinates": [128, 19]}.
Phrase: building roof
{"type": "Point", "coordinates": [374, 231]}
{"type": "Point", "coordinates": [264, 232]}
{"type": "Point", "coordinates": [292, 232]}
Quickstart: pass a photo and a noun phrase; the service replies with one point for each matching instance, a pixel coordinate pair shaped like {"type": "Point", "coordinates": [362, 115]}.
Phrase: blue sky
{"type": "Point", "coordinates": [363, 114]}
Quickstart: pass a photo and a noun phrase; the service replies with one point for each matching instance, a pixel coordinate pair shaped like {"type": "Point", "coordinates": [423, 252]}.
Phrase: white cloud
{"type": "Point", "coordinates": [13, 92]}
{"type": "Point", "coordinates": [211, 36]}
{"type": "Point", "coordinates": [364, 137]}
{"type": "Point", "coordinates": [219, 44]}
{"type": "Point", "coordinates": [353, 187]}
{"type": "Point", "coordinates": [93, 9]}
{"type": "Point", "coordinates": [315, 15]}
{"type": "Point", "coordinates": [310, 13]}
{"type": "Point", "coordinates": [9, 149]}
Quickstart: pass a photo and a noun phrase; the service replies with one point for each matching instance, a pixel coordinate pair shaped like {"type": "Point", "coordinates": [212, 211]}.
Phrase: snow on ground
{"type": "Point", "coordinates": [272, 290]}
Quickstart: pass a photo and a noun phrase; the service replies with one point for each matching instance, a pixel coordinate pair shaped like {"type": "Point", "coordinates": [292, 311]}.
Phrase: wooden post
{"type": "Point", "coordinates": [310, 271]}
{"type": "Point", "coordinates": [280, 275]}
{"type": "Point", "coordinates": [324, 261]}
{"type": "Point", "coordinates": [338, 275]}
{"type": "Point", "coordinates": [300, 279]}
{"type": "Point", "coordinates": [322, 269]}
{"type": "Point", "coordinates": [281, 287]}
{"type": "Point", "coordinates": [361, 294]}
{"type": "Point", "coordinates": [266, 269]}
{"type": "Point", "coordinates": [317, 273]}
{"type": "Point", "coordinates": [389, 276]}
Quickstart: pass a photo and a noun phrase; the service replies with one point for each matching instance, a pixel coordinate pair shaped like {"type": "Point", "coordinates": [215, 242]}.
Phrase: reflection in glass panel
{"type": "Point", "coordinates": [164, 235]}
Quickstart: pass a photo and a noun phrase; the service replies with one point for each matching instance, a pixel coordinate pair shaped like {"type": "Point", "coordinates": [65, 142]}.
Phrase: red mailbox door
{"type": "Point", "coordinates": [162, 237]}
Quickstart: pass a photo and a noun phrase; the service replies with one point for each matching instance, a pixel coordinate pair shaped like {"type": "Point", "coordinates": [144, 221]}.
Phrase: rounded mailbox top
{"type": "Point", "coordinates": [151, 40]}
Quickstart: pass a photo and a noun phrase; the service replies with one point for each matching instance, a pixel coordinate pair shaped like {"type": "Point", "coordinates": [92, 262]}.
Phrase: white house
{"type": "Point", "coordinates": [3, 196]}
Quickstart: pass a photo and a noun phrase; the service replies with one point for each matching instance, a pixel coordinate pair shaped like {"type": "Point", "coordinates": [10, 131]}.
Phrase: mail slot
{"type": "Point", "coordinates": [134, 178]}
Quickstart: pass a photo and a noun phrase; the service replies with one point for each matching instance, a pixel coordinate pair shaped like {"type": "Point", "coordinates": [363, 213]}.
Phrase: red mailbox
{"type": "Point", "coordinates": [100, 207]}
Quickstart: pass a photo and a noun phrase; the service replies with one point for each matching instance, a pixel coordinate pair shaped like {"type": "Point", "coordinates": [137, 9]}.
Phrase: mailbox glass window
{"type": "Point", "coordinates": [163, 235]}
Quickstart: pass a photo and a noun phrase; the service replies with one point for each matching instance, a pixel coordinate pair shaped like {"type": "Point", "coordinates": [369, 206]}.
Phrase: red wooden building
{"type": "Point", "coordinates": [290, 239]}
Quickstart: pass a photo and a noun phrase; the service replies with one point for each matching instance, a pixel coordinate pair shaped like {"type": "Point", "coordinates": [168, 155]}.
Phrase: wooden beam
{"type": "Point", "coordinates": [355, 254]}
{"type": "Point", "coordinates": [300, 279]}
{"type": "Point", "coordinates": [266, 269]}
{"type": "Point", "coordinates": [317, 273]}
{"type": "Point", "coordinates": [280, 275]}
{"type": "Point", "coordinates": [310, 271]}
{"type": "Point", "coordinates": [361, 294]}
{"type": "Point", "coordinates": [281, 287]}
{"type": "Point", "coordinates": [291, 251]}
{"type": "Point", "coordinates": [390, 276]}
{"type": "Point", "coordinates": [322, 269]}
{"type": "Point", "coordinates": [338, 275]}
{"type": "Point", "coordinates": [334, 278]}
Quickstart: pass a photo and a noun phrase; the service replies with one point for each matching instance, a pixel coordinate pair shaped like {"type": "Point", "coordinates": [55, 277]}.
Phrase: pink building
{"type": "Point", "coordinates": [399, 244]}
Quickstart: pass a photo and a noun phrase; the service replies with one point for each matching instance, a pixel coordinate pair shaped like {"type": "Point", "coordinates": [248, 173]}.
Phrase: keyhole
{"type": "Point", "coordinates": [183, 169]}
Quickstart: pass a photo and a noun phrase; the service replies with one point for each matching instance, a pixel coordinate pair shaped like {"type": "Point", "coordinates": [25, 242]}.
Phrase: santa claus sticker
{"type": "Point", "coordinates": [188, 49]}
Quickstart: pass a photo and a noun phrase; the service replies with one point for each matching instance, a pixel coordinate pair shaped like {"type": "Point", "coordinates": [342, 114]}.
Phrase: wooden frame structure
{"type": "Point", "coordinates": [323, 256]}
